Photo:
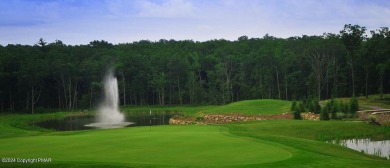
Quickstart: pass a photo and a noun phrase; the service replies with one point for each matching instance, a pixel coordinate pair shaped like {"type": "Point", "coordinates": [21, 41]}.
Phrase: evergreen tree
{"type": "Point", "coordinates": [324, 113]}
{"type": "Point", "coordinates": [297, 115]}
{"type": "Point", "coordinates": [353, 106]}
{"type": "Point", "coordinates": [293, 105]}
{"type": "Point", "coordinates": [311, 106]}
{"type": "Point", "coordinates": [317, 107]}
{"type": "Point", "coordinates": [301, 107]}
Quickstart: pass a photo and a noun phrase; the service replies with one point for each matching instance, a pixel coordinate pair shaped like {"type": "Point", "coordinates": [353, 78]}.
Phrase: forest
{"type": "Point", "coordinates": [55, 76]}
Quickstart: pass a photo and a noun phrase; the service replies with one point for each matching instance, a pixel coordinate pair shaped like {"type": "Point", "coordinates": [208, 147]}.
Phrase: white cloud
{"type": "Point", "coordinates": [167, 9]}
{"type": "Point", "coordinates": [118, 21]}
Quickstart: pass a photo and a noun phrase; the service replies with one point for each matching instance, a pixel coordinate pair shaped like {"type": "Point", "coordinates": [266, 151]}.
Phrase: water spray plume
{"type": "Point", "coordinates": [108, 115]}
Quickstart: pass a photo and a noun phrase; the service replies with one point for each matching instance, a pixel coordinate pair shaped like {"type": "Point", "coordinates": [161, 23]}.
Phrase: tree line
{"type": "Point", "coordinates": [51, 76]}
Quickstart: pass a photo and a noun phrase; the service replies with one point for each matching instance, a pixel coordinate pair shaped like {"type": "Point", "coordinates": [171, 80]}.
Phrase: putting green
{"type": "Point", "coordinates": [163, 145]}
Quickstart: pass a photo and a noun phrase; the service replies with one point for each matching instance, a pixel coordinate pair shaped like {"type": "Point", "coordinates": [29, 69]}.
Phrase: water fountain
{"type": "Point", "coordinates": [108, 115]}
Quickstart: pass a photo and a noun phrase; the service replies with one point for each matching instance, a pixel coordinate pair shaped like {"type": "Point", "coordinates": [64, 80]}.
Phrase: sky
{"type": "Point", "coordinates": [77, 22]}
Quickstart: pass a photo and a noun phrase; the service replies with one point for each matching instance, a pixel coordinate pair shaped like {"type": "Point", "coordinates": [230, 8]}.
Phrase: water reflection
{"type": "Point", "coordinates": [368, 146]}
{"type": "Point", "coordinates": [78, 123]}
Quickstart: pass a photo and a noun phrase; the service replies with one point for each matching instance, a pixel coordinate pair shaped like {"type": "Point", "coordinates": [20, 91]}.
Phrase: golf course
{"type": "Point", "coordinates": [266, 143]}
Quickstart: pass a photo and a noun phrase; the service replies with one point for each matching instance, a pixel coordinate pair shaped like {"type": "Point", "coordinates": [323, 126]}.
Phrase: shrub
{"type": "Point", "coordinates": [297, 115]}
{"type": "Point", "coordinates": [353, 106]}
{"type": "Point", "coordinates": [340, 115]}
{"type": "Point", "coordinates": [199, 118]}
{"type": "Point", "coordinates": [317, 107]}
{"type": "Point", "coordinates": [335, 107]}
{"type": "Point", "coordinates": [293, 105]}
{"type": "Point", "coordinates": [311, 106]}
{"type": "Point", "coordinates": [332, 108]}
{"type": "Point", "coordinates": [372, 118]}
{"type": "Point", "coordinates": [343, 107]}
{"type": "Point", "coordinates": [301, 107]}
{"type": "Point", "coordinates": [325, 113]}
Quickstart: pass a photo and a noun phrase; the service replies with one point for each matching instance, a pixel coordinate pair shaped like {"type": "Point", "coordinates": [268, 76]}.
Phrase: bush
{"type": "Point", "coordinates": [311, 106]}
{"type": "Point", "coordinates": [372, 118]}
{"type": "Point", "coordinates": [317, 107]}
{"type": "Point", "coordinates": [297, 115]}
{"type": "Point", "coordinates": [340, 115]}
{"type": "Point", "coordinates": [353, 106]}
{"type": "Point", "coordinates": [332, 108]}
{"type": "Point", "coordinates": [343, 107]}
{"type": "Point", "coordinates": [199, 118]}
{"type": "Point", "coordinates": [293, 105]}
{"type": "Point", "coordinates": [301, 107]}
{"type": "Point", "coordinates": [325, 113]}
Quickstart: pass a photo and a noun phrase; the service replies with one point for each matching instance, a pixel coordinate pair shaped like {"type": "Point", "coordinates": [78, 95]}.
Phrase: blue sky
{"type": "Point", "coordinates": [119, 21]}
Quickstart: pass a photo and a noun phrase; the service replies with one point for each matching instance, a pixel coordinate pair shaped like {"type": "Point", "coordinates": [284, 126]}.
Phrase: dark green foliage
{"type": "Point", "coordinates": [301, 107]}
{"type": "Point", "coordinates": [325, 113]}
{"type": "Point", "coordinates": [317, 107]}
{"type": "Point", "coordinates": [167, 72]}
{"type": "Point", "coordinates": [344, 107]}
{"type": "Point", "coordinates": [311, 106]}
{"type": "Point", "coordinates": [293, 105]}
{"type": "Point", "coordinates": [297, 115]}
{"type": "Point", "coordinates": [353, 106]}
{"type": "Point", "coordinates": [333, 108]}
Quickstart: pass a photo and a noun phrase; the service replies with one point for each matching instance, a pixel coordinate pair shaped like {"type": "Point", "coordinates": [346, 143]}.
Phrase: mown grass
{"type": "Point", "coordinates": [14, 125]}
{"type": "Point", "coordinates": [185, 110]}
{"type": "Point", "coordinates": [306, 141]}
{"type": "Point", "coordinates": [163, 146]}
{"type": "Point", "coordinates": [276, 143]}
{"type": "Point", "coordinates": [317, 130]}
{"type": "Point", "coordinates": [260, 106]}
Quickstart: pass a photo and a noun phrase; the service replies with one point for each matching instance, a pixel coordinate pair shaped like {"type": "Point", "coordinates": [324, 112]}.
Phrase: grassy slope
{"type": "Point", "coordinates": [373, 100]}
{"type": "Point", "coordinates": [263, 106]}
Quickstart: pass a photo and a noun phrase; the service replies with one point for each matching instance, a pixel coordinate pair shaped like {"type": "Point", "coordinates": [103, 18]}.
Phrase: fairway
{"type": "Point", "coordinates": [163, 145]}
{"type": "Point", "coordinates": [259, 106]}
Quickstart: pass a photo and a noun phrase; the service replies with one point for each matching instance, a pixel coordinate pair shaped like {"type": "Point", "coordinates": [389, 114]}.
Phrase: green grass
{"type": "Point", "coordinates": [375, 100]}
{"type": "Point", "coordinates": [274, 143]}
{"type": "Point", "coordinates": [163, 146]}
{"type": "Point", "coordinates": [316, 130]}
{"type": "Point", "coordinates": [280, 143]}
{"type": "Point", "coordinates": [364, 104]}
{"type": "Point", "coordinates": [186, 110]}
{"type": "Point", "coordinates": [298, 138]}
{"type": "Point", "coordinates": [261, 106]}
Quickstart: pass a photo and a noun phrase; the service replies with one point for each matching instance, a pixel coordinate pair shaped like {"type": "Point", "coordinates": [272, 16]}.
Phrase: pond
{"type": "Point", "coordinates": [368, 146]}
{"type": "Point", "coordinates": [79, 123]}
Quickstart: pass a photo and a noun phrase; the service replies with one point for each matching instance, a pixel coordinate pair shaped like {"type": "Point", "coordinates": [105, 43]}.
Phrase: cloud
{"type": "Point", "coordinates": [167, 9]}
{"type": "Point", "coordinates": [118, 21]}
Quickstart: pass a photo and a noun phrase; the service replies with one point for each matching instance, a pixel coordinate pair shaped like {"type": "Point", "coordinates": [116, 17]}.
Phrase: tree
{"type": "Point", "coordinates": [377, 54]}
{"type": "Point", "coordinates": [297, 115]}
{"type": "Point", "coordinates": [381, 69]}
{"type": "Point", "coordinates": [353, 106]}
{"type": "Point", "coordinates": [159, 82]}
{"type": "Point", "coordinates": [65, 77]}
{"type": "Point", "coordinates": [318, 58]}
{"type": "Point", "coordinates": [325, 113]}
{"type": "Point", "coordinates": [352, 37]}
